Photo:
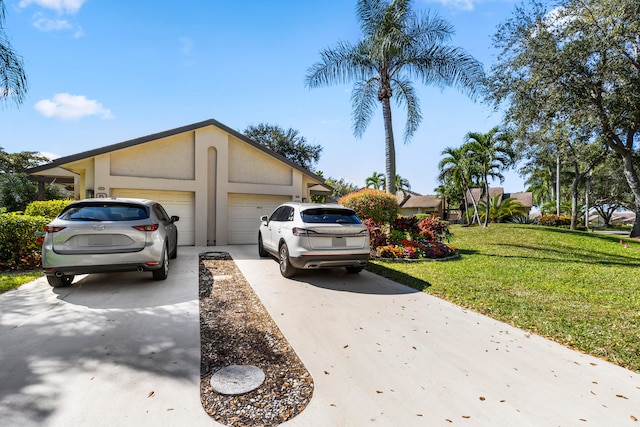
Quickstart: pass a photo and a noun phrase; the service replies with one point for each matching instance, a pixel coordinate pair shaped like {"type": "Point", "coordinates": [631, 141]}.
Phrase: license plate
{"type": "Point", "coordinates": [99, 240]}
{"type": "Point", "coordinates": [339, 242]}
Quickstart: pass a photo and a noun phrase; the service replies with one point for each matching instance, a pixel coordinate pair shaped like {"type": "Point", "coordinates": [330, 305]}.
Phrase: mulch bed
{"type": "Point", "coordinates": [236, 329]}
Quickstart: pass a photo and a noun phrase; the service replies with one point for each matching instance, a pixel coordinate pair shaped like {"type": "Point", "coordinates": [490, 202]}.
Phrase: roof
{"type": "Point", "coordinates": [526, 197]}
{"type": "Point", "coordinates": [171, 132]}
{"type": "Point", "coordinates": [422, 202]}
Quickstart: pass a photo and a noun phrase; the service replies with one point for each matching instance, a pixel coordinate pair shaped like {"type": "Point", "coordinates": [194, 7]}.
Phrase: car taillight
{"type": "Point", "coordinates": [53, 229]}
{"type": "Point", "coordinates": [364, 233]}
{"type": "Point", "coordinates": [303, 232]}
{"type": "Point", "coordinates": [150, 227]}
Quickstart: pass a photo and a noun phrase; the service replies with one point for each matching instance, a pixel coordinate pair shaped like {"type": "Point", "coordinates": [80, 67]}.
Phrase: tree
{"type": "Point", "coordinates": [288, 143]}
{"type": "Point", "coordinates": [402, 184]}
{"type": "Point", "coordinates": [13, 80]}
{"type": "Point", "coordinates": [501, 210]}
{"type": "Point", "coordinates": [376, 181]}
{"type": "Point", "coordinates": [457, 170]}
{"type": "Point", "coordinates": [452, 196]}
{"type": "Point", "coordinates": [609, 190]}
{"type": "Point", "coordinates": [20, 162]}
{"type": "Point", "coordinates": [16, 192]}
{"type": "Point", "coordinates": [579, 61]}
{"type": "Point", "coordinates": [340, 187]}
{"type": "Point", "coordinates": [490, 154]}
{"type": "Point", "coordinates": [397, 46]}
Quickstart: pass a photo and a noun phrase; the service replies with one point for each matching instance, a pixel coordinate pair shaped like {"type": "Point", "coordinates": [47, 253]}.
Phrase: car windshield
{"type": "Point", "coordinates": [104, 212]}
{"type": "Point", "coordinates": [330, 216]}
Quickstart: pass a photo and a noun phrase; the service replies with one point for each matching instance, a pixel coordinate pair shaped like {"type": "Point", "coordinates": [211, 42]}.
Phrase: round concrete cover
{"type": "Point", "coordinates": [237, 379]}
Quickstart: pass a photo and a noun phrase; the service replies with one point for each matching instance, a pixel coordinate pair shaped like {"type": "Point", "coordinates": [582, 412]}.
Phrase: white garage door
{"type": "Point", "coordinates": [244, 212]}
{"type": "Point", "coordinates": [180, 203]}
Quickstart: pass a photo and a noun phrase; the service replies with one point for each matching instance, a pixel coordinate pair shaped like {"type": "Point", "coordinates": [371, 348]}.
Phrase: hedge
{"type": "Point", "coordinates": [19, 245]}
{"type": "Point", "coordinates": [48, 209]}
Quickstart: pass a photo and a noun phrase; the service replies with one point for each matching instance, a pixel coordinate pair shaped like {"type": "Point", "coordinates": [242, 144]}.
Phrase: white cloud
{"type": "Point", "coordinates": [45, 24]}
{"type": "Point", "coordinates": [67, 106]}
{"type": "Point", "coordinates": [60, 6]}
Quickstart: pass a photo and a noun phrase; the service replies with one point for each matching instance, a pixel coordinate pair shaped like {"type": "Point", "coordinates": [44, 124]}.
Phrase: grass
{"type": "Point", "coordinates": [580, 289]}
{"type": "Point", "coordinates": [12, 280]}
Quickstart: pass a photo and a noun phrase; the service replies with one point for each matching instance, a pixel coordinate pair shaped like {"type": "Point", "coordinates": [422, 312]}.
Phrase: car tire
{"type": "Point", "coordinates": [60, 282]}
{"type": "Point", "coordinates": [354, 270]}
{"type": "Point", "coordinates": [261, 251]}
{"type": "Point", "coordinates": [286, 269]}
{"type": "Point", "coordinates": [162, 272]}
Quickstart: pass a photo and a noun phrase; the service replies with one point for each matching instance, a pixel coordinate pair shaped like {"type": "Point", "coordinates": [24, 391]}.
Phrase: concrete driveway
{"type": "Point", "coordinates": [121, 349]}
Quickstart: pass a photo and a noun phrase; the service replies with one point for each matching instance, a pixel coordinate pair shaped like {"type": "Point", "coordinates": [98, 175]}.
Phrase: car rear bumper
{"type": "Point", "coordinates": [109, 268]}
{"type": "Point", "coordinates": [313, 261]}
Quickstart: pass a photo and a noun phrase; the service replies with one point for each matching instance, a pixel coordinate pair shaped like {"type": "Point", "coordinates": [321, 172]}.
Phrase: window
{"type": "Point", "coordinates": [104, 212]}
{"type": "Point", "coordinates": [330, 216]}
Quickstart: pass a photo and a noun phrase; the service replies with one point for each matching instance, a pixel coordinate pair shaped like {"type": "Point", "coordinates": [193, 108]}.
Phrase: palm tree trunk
{"type": "Point", "coordinates": [487, 210]}
{"type": "Point", "coordinates": [390, 150]}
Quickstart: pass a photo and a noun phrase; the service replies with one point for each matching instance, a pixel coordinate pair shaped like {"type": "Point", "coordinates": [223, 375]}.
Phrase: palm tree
{"type": "Point", "coordinates": [13, 81]}
{"type": "Point", "coordinates": [376, 181]}
{"type": "Point", "coordinates": [397, 46]}
{"type": "Point", "coordinates": [402, 184]}
{"type": "Point", "coordinates": [456, 169]}
{"type": "Point", "coordinates": [491, 155]}
{"type": "Point", "coordinates": [502, 210]}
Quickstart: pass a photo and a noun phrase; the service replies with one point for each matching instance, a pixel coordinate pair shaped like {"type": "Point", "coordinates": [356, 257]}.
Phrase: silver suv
{"type": "Point", "coordinates": [311, 236]}
{"type": "Point", "coordinates": [105, 235]}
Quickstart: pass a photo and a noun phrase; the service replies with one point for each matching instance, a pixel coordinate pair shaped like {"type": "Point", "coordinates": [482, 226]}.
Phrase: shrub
{"type": "Point", "coordinates": [48, 209]}
{"type": "Point", "coordinates": [19, 246]}
{"type": "Point", "coordinates": [377, 237]}
{"type": "Point", "coordinates": [372, 204]}
{"type": "Point", "coordinates": [554, 220]}
{"type": "Point", "coordinates": [434, 229]}
{"type": "Point", "coordinates": [421, 216]}
{"type": "Point", "coordinates": [408, 224]}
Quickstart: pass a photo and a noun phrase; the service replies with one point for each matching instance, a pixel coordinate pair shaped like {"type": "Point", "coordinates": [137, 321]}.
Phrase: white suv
{"type": "Point", "coordinates": [311, 235]}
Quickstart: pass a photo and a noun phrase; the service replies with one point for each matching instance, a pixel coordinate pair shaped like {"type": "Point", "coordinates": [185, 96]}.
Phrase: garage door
{"type": "Point", "coordinates": [180, 203]}
{"type": "Point", "coordinates": [244, 212]}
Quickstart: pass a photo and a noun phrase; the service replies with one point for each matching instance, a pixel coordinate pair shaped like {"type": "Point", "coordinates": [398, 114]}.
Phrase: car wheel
{"type": "Point", "coordinates": [354, 270]}
{"type": "Point", "coordinates": [162, 272]}
{"type": "Point", "coordinates": [261, 251]}
{"type": "Point", "coordinates": [59, 282]}
{"type": "Point", "coordinates": [286, 269]}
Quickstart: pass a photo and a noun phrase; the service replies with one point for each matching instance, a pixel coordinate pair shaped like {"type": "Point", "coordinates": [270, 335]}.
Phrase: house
{"type": "Point", "coordinates": [218, 181]}
{"type": "Point", "coordinates": [411, 203]}
{"type": "Point", "coordinates": [525, 198]}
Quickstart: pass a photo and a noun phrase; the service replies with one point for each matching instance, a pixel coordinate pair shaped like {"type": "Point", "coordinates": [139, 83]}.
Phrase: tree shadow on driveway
{"type": "Point", "coordinates": [117, 323]}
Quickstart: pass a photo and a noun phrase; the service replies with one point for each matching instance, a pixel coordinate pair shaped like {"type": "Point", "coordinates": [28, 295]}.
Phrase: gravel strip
{"type": "Point", "coordinates": [236, 329]}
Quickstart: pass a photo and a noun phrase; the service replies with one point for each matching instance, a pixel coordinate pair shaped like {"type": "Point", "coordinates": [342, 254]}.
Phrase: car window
{"type": "Point", "coordinates": [275, 214]}
{"type": "Point", "coordinates": [286, 214]}
{"type": "Point", "coordinates": [104, 212]}
{"type": "Point", "coordinates": [330, 216]}
{"type": "Point", "coordinates": [160, 212]}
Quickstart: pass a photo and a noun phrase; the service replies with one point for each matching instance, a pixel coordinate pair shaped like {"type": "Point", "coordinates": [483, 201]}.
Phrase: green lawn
{"type": "Point", "coordinates": [580, 289]}
{"type": "Point", "coordinates": [11, 280]}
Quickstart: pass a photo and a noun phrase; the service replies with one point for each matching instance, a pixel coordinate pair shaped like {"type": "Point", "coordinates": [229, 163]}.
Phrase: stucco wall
{"type": "Point", "coordinates": [207, 161]}
{"type": "Point", "coordinates": [171, 157]}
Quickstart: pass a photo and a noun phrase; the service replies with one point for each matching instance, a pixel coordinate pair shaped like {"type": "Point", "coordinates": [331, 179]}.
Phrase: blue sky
{"type": "Point", "coordinates": [102, 72]}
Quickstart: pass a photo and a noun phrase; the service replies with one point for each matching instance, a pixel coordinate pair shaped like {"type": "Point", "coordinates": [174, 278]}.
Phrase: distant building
{"type": "Point", "coordinates": [411, 203]}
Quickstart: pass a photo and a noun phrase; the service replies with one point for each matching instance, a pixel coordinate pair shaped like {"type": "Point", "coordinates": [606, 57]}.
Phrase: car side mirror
{"type": "Point", "coordinates": [264, 219]}
{"type": "Point", "coordinates": [175, 218]}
